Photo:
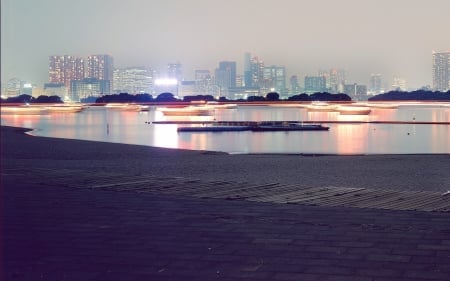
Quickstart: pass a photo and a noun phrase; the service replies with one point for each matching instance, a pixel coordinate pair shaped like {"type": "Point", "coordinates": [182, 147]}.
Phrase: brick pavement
{"type": "Point", "coordinates": [63, 233]}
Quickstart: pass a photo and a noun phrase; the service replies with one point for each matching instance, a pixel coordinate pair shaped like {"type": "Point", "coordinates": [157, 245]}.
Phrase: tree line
{"type": "Point", "coordinates": [425, 95]}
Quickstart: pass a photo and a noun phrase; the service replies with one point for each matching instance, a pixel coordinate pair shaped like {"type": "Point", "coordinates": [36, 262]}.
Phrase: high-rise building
{"type": "Point", "coordinates": [133, 80]}
{"type": "Point", "coordinates": [253, 71]}
{"type": "Point", "coordinates": [101, 67]}
{"type": "Point", "coordinates": [275, 79]}
{"type": "Point", "coordinates": [89, 88]}
{"type": "Point", "coordinates": [375, 86]}
{"type": "Point", "coordinates": [337, 80]}
{"type": "Point", "coordinates": [399, 84]}
{"type": "Point", "coordinates": [314, 84]}
{"type": "Point", "coordinates": [356, 92]}
{"type": "Point", "coordinates": [326, 74]}
{"type": "Point", "coordinates": [225, 75]}
{"type": "Point", "coordinates": [203, 81]}
{"type": "Point", "coordinates": [295, 86]}
{"type": "Point", "coordinates": [175, 71]}
{"type": "Point", "coordinates": [64, 69]}
{"type": "Point", "coordinates": [441, 71]}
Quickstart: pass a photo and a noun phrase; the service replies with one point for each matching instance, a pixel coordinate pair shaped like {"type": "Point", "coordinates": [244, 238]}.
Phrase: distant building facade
{"type": "Point", "coordinates": [375, 86]}
{"type": "Point", "coordinates": [89, 87]}
{"type": "Point", "coordinates": [274, 79]}
{"type": "Point", "coordinates": [337, 79]}
{"type": "Point", "coordinates": [314, 84]}
{"type": "Point", "coordinates": [356, 92]}
{"type": "Point", "coordinates": [57, 89]}
{"type": "Point", "coordinates": [295, 86]}
{"type": "Point", "coordinates": [253, 72]}
{"type": "Point", "coordinates": [175, 71]}
{"type": "Point", "coordinates": [399, 84]}
{"type": "Point", "coordinates": [441, 71]}
{"type": "Point", "coordinates": [133, 80]}
{"type": "Point", "coordinates": [203, 82]}
{"type": "Point", "coordinates": [225, 75]}
{"type": "Point", "coordinates": [101, 67]}
{"type": "Point", "coordinates": [64, 69]}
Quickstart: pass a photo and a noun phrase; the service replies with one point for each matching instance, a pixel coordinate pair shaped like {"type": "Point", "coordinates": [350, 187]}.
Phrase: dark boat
{"type": "Point", "coordinates": [263, 127]}
{"type": "Point", "coordinates": [289, 127]}
{"type": "Point", "coordinates": [214, 129]}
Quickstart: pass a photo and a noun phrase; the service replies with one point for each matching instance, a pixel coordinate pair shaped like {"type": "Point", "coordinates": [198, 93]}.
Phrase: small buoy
{"type": "Point", "coordinates": [408, 134]}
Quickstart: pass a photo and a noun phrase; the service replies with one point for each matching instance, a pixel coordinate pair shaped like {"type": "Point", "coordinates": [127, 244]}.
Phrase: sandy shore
{"type": "Point", "coordinates": [401, 172]}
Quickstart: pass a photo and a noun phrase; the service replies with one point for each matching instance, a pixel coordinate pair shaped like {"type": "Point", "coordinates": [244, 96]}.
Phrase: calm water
{"type": "Point", "coordinates": [101, 124]}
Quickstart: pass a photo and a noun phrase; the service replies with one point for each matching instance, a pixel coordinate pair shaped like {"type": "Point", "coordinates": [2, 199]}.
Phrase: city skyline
{"type": "Point", "coordinates": [362, 37]}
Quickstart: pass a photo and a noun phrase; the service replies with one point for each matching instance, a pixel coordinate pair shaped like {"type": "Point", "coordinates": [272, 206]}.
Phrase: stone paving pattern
{"type": "Point", "coordinates": [58, 232]}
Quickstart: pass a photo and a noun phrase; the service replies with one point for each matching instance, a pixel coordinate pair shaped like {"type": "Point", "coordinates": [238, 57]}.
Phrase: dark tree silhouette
{"type": "Point", "coordinates": [198, 98]}
{"type": "Point", "coordinates": [144, 98]}
{"type": "Point", "coordinates": [48, 99]}
{"type": "Point", "coordinates": [20, 99]}
{"type": "Point", "coordinates": [255, 98]}
{"type": "Point", "coordinates": [301, 97]}
{"type": "Point", "coordinates": [166, 97]}
{"type": "Point", "coordinates": [414, 95]}
{"type": "Point", "coordinates": [273, 96]}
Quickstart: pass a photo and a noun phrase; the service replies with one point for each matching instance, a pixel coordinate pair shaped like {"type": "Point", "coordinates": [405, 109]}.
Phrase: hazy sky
{"type": "Point", "coordinates": [391, 37]}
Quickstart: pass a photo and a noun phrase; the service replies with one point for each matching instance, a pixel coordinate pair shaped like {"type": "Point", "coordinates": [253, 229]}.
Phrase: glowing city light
{"type": "Point", "coordinates": [166, 82]}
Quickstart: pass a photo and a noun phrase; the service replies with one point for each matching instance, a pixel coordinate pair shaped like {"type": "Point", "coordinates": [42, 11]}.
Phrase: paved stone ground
{"type": "Point", "coordinates": [60, 233]}
{"type": "Point", "coordinates": [55, 232]}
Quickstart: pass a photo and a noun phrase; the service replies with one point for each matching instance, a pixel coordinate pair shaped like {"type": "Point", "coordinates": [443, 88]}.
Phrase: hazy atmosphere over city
{"type": "Point", "coordinates": [393, 38]}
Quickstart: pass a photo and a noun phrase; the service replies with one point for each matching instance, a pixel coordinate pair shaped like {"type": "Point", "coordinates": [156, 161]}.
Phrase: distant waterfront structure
{"type": "Point", "coordinates": [295, 86]}
{"type": "Point", "coordinates": [175, 71]}
{"type": "Point", "coordinates": [57, 89]}
{"type": "Point", "coordinates": [441, 71]}
{"type": "Point", "coordinates": [274, 79]}
{"type": "Point", "coordinates": [326, 75]}
{"type": "Point", "coordinates": [89, 87]}
{"type": "Point", "coordinates": [65, 68]}
{"type": "Point", "coordinates": [13, 88]}
{"type": "Point", "coordinates": [337, 79]}
{"type": "Point", "coordinates": [253, 72]}
{"type": "Point", "coordinates": [203, 82]}
{"type": "Point", "coordinates": [101, 67]}
{"type": "Point", "coordinates": [133, 80]}
{"type": "Point", "coordinates": [399, 84]}
{"type": "Point", "coordinates": [356, 92]}
{"type": "Point", "coordinates": [225, 75]}
{"type": "Point", "coordinates": [375, 86]}
{"type": "Point", "coordinates": [187, 88]}
{"type": "Point", "coordinates": [314, 84]}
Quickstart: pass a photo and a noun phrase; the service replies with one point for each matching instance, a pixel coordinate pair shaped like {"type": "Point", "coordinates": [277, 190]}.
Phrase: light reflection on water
{"type": "Point", "coordinates": [101, 124]}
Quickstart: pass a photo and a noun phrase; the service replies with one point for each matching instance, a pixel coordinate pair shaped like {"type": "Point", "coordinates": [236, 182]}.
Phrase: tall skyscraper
{"type": "Point", "coordinates": [64, 69]}
{"type": "Point", "coordinates": [101, 67]}
{"type": "Point", "coordinates": [441, 71]}
{"type": "Point", "coordinates": [253, 71]}
{"type": "Point", "coordinates": [226, 74]}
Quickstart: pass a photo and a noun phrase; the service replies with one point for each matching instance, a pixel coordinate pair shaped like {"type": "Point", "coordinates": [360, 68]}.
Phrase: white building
{"type": "Point", "coordinates": [133, 80]}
